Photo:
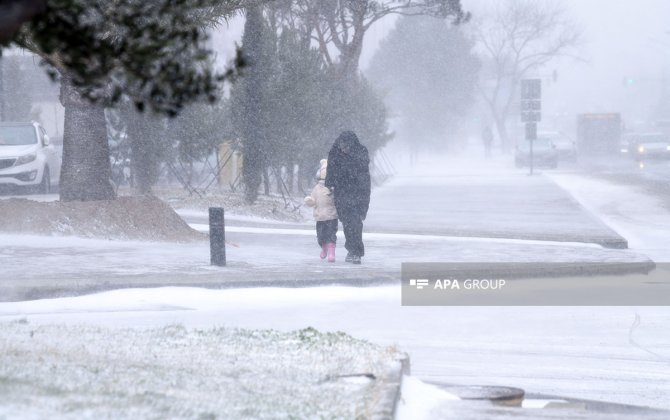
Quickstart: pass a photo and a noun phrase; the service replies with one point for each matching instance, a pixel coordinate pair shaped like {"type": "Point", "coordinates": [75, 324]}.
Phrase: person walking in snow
{"type": "Point", "coordinates": [325, 214]}
{"type": "Point", "coordinates": [348, 178]}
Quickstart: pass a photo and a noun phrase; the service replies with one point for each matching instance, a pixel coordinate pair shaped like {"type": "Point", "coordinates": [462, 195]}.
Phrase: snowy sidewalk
{"type": "Point", "coordinates": [483, 198]}
{"type": "Point", "coordinates": [38, 266]}
{"type": "Point", "coordinates": [466, 196]}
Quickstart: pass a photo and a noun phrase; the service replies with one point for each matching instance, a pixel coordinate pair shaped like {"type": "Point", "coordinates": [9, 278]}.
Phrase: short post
{"type": "Point", "coordinates": [217, 236]}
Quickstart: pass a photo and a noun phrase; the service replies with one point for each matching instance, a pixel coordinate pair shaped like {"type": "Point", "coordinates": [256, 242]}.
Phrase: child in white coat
{"type": "Point", "coordinates": [324, 214]}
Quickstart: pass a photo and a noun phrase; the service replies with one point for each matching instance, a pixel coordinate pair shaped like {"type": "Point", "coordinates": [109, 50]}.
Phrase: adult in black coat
{"type": "Point", "coordinates": [348, 178]}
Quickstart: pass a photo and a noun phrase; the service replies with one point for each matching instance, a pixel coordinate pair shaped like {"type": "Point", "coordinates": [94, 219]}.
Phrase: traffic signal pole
{"type": "Point", "coordinates": [531, 112]}
{"type": "Point", "coordinates": [531, 156]}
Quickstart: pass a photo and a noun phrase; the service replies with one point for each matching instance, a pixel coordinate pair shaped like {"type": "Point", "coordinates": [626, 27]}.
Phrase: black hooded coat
{"type": "Point", "coordinates": [348, 175]}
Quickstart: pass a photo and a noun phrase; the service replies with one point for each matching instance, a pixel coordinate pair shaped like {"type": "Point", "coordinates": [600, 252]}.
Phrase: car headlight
{"type": "Point", "coordinates": [25, 159]}
{"type": "Point", "coordinates": [640, 149]}
{"type": "Point", "coordinates": [667, 148]}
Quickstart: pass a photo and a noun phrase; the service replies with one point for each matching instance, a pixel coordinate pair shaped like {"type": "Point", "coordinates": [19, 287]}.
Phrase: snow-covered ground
{"type": "Point", "coordinates": [419, 400]}
{"type": "Point", "coordinates": [617, 354]}
{"type": "Point", "coordinates": [72, 371]}
{"type": "Point", "coordinates": [631, 211]}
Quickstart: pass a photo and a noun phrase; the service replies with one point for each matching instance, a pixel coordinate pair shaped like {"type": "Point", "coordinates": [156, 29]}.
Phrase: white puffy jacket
{"type": "Point", "coordinates": [322, 201]}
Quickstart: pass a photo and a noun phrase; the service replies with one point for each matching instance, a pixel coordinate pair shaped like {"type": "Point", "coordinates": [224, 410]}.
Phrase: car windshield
{"type": "Point", "coordinates": [17, 135]}
{"type": "Point", "coordinates": [539, 144]}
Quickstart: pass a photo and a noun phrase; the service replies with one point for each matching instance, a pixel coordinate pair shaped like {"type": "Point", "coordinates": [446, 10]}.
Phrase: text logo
{"type": "Point", "coordinates": [418, 283]}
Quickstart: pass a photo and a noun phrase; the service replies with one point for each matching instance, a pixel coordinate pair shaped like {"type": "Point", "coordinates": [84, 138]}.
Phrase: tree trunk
{"type": "Point", "coordinates": [291, 178]}
{"type": "Point", "coordinates": [144, 154]}
{"type": "Point", "coordinates": [266, 182]}
{"type": "Point", "coordinates": [278, 179]}
{"type": "Point", "coordinates": [142, 164]}
{"type": "Point", "coordinates": [86, 170]}
{"type": "Point", "coordinates": [254, 160]}
{"type": "Point", "coordinates": [351, 54]}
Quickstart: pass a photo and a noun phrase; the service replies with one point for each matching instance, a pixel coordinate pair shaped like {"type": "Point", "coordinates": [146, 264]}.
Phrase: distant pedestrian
{"type": "Point", "coordinates": [487, 138]}
{"type": "Point", "coordinates": [349, 179]}
{"type": "Point", "coordinates": [325, 214]}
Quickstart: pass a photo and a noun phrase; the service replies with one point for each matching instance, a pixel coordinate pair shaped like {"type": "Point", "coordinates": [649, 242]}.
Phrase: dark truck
{"type": "Point", "coordinates": [598, 134]}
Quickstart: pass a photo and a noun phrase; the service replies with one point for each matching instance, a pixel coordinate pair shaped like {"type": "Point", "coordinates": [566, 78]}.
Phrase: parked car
{"type": "Point", "coordinates": [544, 153]}
{"type": "Point", "coordinates": [566, 148]}
{"type": "Point", "coordinates": [641, 146]}
{"type": "Point", "coordinates": [28, 160]}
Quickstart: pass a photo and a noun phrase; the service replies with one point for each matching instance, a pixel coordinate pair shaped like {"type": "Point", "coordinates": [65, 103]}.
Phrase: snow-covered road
{"type": "Point", "coordinates": [630, 210]}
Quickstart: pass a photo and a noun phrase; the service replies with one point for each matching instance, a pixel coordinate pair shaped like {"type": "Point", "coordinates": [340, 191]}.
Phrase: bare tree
{"type": "Point", "coordinates": [342, 24]}
{"type": "Point", "coordinates": [517, 38]}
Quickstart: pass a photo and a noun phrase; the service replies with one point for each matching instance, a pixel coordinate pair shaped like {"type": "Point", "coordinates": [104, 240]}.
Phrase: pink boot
{"type": "Point", "coordinates": [324, 251]}
{"type": "Point", "coordinates": [330, 247]}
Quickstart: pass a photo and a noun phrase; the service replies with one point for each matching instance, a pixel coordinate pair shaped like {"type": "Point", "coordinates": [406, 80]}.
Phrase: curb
{"type": "Point", "coordinates": [57, 289]}
{"type": "Point", "coordinates": [500, 395]}
{"type": "Point", "coordinates": [214, 281]}
{"type": "Point", "coordinates": [537, 269]}
{"type": "Point", "coordinates": [384, 407]}
{"type": "Point", "coordinates": [616, 241]}
{"type": "Point", "coordinates": [604, 407]}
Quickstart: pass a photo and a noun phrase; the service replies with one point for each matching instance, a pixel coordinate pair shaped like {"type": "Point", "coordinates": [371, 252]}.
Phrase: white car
{"type": "Point", "coordinates": [27, 158]}
{"type": "Point", "coordinates": [643, 146]}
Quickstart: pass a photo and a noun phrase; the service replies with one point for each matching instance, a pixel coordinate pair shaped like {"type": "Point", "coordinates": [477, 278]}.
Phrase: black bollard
{"type": "Point", "coordinates": [217, 236]}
